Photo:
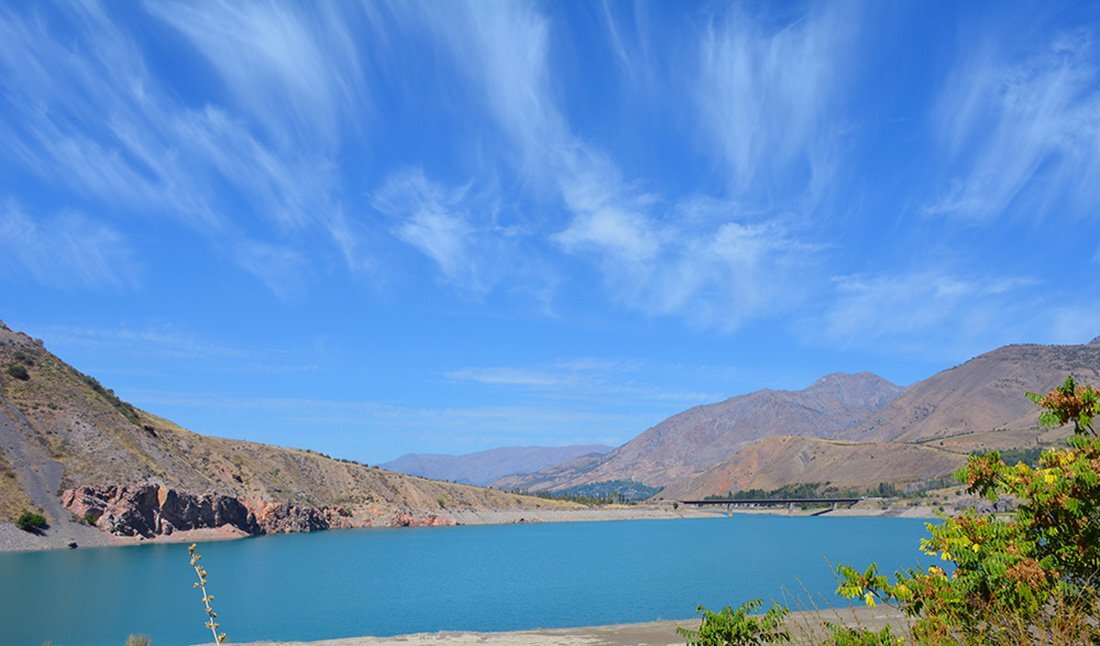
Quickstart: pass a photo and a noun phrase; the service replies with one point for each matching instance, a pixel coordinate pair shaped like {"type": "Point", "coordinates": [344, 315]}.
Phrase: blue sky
{"type": "Point", "coordinates": [381, 228]}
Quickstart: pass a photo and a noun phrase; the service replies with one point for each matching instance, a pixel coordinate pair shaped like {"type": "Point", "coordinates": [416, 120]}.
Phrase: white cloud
{"type": "Point", "coordinates": [451, 226]}
{"type": "Point", "coordinates": [659, 259]}
{"type": "Point", "coordinates": [1022, 135]}
{"type": "Point", "coordinates": [947, 315]}
{"type": "Point", "coordinates": [629, 383]}
{"type": "Point", "coordinates": [68, 250]}
{"type": "Point", "coordinates": [281, 269]}
{"type": "Point", "coordinates": [716, 273]}
{"type": "Point", "coordinates": [767, 96]}
{"type": "Point", "coordinates": [85, 114]}
{"type": "Point", "coordinates": [295, 70]}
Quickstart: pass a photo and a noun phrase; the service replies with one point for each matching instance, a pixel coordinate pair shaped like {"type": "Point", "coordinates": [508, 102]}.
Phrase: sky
{"type": "Point", "coordinates": [380, 228]}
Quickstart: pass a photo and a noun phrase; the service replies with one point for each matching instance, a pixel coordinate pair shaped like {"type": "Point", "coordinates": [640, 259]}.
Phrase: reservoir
{"type": "Point", "coordinates": [483, 578]}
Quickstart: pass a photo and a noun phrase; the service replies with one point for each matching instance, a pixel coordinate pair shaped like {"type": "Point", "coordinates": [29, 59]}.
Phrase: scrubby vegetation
{"type": "Point", "coordinates": [18, 371]}
{"type": "Point", "coordinates": [600, 493]}
{"type": "Point", "coordinates": [739, 626]}
{"type": "Point", "coordinates": [125, 408]}
{"type": "Point", "coordinates": [1033, 577]}
{"type": "Point", "coordinates": [30, 521]}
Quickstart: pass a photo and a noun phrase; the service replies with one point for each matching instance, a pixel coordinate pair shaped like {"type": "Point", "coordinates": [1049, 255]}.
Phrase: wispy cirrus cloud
{"type": "Point", "coordinates": [948, 314]}
{"type": "Point", "coordinates": [67, 250]}
{"type": "Point", "coordinates": [1022, 132]}
{"type": "Point", "coordinates": [452, 226]}
{"type": "Point", "coordinates": [768, 95]}
{"type": "Point", "coordinates": [86, 113]}
{"type": "Point", "coordinates": [295, 68]}
{"type": "Point", "coordinates": [711, 275]}
{"type": "Point", "coordinates": [652, 258]}
{"type": "Point", "coordinates": [589, 379]}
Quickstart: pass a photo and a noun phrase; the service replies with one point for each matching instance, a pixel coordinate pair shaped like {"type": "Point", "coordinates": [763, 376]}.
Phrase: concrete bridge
{"type": "Point", "coordinates": [730, 503]}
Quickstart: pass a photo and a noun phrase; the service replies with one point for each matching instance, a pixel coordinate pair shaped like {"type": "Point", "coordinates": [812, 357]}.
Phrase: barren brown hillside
{"type": "Point", "coordinates": [979, 396]}
{"type": "Point", "coordinates": [923, 432]}
{"type": "Point", "coordinates": [697, 439]}
{"type": "Point", "coordinates": [778, 461]}
{"type": "Point", "coordinates": [61, 430]}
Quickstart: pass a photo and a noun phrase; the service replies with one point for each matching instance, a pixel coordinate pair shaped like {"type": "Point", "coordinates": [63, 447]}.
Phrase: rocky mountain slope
{"type": "Point", "coordinates": [72, 448]}
{"type": "Point", "coordinates": [484, 467]}
{"type": "Point", "coordinates": [697, 439]}
{"type": "Point", "coordinates": [768, 439]}
{"type": "Point", "coordinates": [979, 396]}
{"type": "Point", "coordinates": [777, 461]}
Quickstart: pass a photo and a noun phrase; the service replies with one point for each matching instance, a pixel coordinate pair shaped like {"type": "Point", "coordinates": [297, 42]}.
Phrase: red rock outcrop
{"type": "Point", "coordinates": [152, 510]}
{"type": "Point", "coordinates": [408, 520]}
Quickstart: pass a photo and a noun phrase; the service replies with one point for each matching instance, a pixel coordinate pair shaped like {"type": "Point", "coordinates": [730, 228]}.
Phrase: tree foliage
{"type": "Point", "coordinates": [730, 627]}
{"type": "Point", "coordinates": [1031, 577]}
{"type": "Point", "coordinates": [30, 521]}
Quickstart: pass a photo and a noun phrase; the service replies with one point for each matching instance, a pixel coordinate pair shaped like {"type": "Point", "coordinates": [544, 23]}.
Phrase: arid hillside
{"type": "Point", "coordinates": [699, 438]}
{"type": "Point", "coordinates": [982, 395]}
{"type": "Point", "coordinates": [72, 448]}
{"type": "Point", "coordinates": [849, 430]}
{"type": "Point", "coordinates": [778, 461]}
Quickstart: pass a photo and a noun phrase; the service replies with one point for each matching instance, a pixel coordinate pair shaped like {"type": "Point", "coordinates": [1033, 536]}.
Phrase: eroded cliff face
{"type": "Point", "coordinates": [154, 510]}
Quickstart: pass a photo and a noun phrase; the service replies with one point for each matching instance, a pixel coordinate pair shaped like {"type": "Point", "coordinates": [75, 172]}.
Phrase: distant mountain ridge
{"type": "Point", "coordinates": [704, 436]}
{"type": "Point", "coordinates": [852, 430]}
{"type": "Point", "coordinates": [485, 467]}
{"type": "Point", "coordinates": [980, 395]}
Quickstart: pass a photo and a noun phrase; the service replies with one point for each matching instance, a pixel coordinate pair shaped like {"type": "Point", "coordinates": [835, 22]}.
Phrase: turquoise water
{"type": "Point", "coordinates": [391, 581]}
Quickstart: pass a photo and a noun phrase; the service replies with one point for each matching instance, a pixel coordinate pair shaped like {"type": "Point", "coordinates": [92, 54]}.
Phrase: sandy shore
{"type": "Point", "coordinates": [805, 628]}
{"type": "Point", "coordinates": [61, 535]}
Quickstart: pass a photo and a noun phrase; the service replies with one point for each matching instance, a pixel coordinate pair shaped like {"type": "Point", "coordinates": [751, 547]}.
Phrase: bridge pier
{"type": "Point", "coordinates": [790, 508]}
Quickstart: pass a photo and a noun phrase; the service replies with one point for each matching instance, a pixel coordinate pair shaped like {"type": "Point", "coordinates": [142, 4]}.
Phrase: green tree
{"type": "Point", "coordinates": [1031, 577]}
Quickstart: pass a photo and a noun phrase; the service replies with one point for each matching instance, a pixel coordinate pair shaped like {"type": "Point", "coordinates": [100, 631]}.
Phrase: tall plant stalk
{"type": "Point", "coordinates": [212, 623]}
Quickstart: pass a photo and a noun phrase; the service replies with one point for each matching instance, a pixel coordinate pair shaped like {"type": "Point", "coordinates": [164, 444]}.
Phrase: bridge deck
{"type": "Point", "coordinates": [770, 501]}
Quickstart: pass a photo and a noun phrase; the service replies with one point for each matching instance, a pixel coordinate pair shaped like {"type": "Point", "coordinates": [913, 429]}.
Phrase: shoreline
{"type": "Point", "coordinates": [60, 535]}
{"type": "Point", "coordinates": [805, 626]}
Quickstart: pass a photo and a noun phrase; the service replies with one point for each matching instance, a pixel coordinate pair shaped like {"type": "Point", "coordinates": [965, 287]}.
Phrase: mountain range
{"type": "Point", "coordinates": [847, 430]}
{"type": "Point", "coordinates": [92, 462]}
{"type": "Point", "coordinates": [484, 467]}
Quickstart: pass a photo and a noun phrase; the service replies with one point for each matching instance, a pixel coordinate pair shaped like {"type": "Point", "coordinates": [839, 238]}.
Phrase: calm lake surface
{"type": "Point", "coordinates": [392, 581]}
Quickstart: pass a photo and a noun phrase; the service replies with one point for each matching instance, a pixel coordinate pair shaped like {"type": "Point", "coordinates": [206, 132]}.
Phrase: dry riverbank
{"type": "Point", "coordinates": [805, 627]}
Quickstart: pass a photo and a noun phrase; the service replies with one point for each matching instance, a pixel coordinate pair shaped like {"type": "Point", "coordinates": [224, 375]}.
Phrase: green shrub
{"type": "Point", "coordinates": [847, 636]}
{"type": "Point", "coordinates": [731, 627]}
{"type": "Point", "coordinates": [29, 521]}
{"type": "Point", "coordinates": [19, 371]}
{"type": "Point", "coordinates": [1029, 578]}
